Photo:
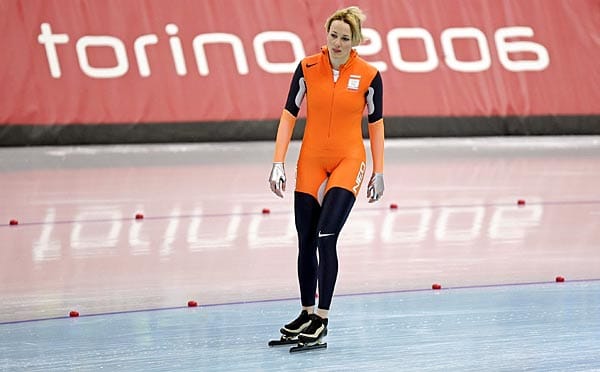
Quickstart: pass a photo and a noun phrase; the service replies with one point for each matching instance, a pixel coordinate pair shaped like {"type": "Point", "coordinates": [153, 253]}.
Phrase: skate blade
{"type": "Point", "coordinates": [284, 341]}
{"type": "Point", "coordinates": [307, 347]}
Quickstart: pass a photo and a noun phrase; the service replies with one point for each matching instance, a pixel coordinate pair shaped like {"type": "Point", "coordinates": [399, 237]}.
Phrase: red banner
{"type": "Point", "coordinates": [112, 61]}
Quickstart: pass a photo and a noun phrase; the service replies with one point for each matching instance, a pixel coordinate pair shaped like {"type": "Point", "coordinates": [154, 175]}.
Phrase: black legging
{"type": "Point", "coordinates": [319, 226]}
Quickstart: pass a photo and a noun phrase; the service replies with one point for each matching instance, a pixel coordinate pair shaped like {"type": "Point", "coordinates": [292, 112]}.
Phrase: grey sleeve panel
{"type": "Point", "coordinates": [374, 98]}
{"type": "Point", "coordinates": [297, 92]}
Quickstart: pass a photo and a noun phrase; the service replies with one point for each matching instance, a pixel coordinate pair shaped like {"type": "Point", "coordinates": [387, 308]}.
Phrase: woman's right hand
{"type": "Point", "coordinates": [277, 179]}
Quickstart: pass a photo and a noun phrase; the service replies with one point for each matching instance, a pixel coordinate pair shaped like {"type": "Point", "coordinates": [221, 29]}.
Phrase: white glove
{"type": "Point", "coordinates": [277, 179]}
{"type": "Point", "coordinates": [375, 188]}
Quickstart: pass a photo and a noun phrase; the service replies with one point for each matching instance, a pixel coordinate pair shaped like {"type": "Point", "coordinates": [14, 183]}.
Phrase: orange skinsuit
{"type": "Point", "coordinates": [332, 148]}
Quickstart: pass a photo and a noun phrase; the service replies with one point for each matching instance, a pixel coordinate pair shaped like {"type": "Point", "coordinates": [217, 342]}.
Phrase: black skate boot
{"type": "Point", "coordinates": [312, 337]}
{"type": "Point", "coordinates": [290, 331]}
{"type": "Point", "coordinates": [297, 325]}
{"type": "Point", "coordinates": [315, 331]}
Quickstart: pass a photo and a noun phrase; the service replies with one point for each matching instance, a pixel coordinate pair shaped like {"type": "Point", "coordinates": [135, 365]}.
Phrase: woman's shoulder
{"type": "Point", "coordinates": [366, 66]}
{"type": "Point", "coordinates": [313, 58]}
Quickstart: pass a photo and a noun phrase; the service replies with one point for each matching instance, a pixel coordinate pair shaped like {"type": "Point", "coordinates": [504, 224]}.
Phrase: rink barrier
{"type": "Point", "coordinates": [395, 127]}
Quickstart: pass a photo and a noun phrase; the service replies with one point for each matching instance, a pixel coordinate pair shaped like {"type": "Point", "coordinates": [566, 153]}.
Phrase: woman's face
{"type": "Point", "coordinates": [339, 41]}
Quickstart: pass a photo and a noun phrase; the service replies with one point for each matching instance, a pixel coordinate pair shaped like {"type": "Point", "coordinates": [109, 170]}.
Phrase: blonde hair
{"type": "Point", "coordinates": [354, 17]}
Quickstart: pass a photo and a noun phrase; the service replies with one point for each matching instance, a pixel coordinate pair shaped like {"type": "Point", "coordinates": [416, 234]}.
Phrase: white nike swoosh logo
{"type": "Point", "coordinates": [324, 235]}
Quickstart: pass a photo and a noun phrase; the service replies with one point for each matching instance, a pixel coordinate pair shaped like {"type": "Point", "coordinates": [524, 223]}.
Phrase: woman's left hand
{"type": "Point", "coordinates": [375, 188]}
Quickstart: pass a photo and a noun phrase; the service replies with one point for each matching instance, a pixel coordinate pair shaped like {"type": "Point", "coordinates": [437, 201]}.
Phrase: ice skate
{"type": "Point", "coordinates": [290, 331]}
{"type": "Point", "coordinates": [312, 336]}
